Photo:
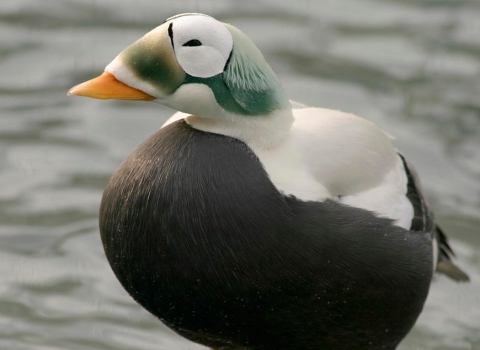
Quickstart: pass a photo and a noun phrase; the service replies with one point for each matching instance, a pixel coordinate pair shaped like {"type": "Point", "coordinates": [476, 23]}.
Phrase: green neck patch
{"type": "Point", "coordinates": [257, 103]}
{"type": "Point", "coordinates": [250, 80]}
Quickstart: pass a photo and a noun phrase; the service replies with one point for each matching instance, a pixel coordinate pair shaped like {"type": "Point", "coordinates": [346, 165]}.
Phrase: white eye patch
{"type": "Point", "coordinates": [202, 45]}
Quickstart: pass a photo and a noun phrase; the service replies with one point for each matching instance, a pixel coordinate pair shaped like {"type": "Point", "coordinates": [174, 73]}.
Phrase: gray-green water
{"type": "Point", "coordinates": [413, 67]}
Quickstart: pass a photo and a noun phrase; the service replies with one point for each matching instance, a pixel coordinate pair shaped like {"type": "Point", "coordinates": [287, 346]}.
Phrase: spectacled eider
{"type": "Point", "coordinates": [246, 224]}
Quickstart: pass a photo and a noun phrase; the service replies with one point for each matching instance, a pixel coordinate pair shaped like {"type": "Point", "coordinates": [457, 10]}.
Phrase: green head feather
{"type": "Point", "coordinates": [251, 81]}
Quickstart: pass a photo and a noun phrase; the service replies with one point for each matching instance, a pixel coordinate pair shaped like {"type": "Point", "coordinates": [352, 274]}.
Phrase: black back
{"type": "Point", "coordinates": [197, 234]}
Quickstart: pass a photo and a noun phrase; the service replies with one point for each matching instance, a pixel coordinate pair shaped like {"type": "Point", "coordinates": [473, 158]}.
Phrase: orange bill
{"type": "Point", "coordinates": [106, 86]}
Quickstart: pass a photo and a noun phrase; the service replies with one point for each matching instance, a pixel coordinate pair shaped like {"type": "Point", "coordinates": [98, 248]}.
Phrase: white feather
{"type": "Point", "coordinates": [388, 199]}
{"type": "Point", "coordinates": [435, 253]}
{"type": "Point", "coordinates": [346, 153]}
{"type": "Point", "coordinates": [174, 118]}
{"type": "Point", "coordinates": [210, 58]}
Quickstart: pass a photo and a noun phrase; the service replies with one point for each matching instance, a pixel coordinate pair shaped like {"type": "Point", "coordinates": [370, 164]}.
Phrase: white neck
{"type": "Point", "coordinates": [258, 132]}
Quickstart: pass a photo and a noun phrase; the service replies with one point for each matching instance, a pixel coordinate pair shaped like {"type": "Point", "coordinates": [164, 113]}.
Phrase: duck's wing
{"type": "Point", "coordinates": [358, 165]}
{"type": "Point", "coordinates": [353, 160]}
{"type": "Point", "coordinates": [423, 221]}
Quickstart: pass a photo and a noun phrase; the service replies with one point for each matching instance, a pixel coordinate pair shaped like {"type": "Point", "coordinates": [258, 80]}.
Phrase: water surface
{"type": "Point", "coordinates": [413, 67]}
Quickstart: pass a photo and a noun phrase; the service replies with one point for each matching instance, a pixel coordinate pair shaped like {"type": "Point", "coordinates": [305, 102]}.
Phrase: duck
{"type": "Point", "coordinates": [252, 222]}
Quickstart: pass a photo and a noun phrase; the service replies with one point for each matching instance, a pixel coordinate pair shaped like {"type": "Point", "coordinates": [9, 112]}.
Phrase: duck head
{"type": "Point", "coordinates": [195, 64]}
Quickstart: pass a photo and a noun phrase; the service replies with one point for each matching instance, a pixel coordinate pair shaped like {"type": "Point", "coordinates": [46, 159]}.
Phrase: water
{"type": "Point", "coordinates": [413, 67]}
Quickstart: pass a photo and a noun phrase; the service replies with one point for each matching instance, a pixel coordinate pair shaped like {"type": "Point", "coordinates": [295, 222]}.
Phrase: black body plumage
{"type": "Point", "coordinates": [197, 234]}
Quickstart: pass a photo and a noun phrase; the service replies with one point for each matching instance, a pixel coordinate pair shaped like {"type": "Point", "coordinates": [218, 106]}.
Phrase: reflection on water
{"type": "Point", "coordinates": [413, 67]}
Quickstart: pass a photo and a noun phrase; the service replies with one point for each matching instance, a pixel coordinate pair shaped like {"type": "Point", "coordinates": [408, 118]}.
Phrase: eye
{"type": "Point", "coordinates": [193, 42]}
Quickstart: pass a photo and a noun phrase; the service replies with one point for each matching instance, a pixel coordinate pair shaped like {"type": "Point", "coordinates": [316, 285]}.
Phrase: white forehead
{"type": "Point", "coordinates": [208, 30]}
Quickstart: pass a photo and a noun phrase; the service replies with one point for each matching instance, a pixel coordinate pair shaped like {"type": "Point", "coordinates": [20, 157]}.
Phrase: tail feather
{"type": "Point", "coordinates": [445, 264]}
{"type": "Point", "coordinates": [443, 243]}
{"type": "Point", "coordinates": [449, 269]}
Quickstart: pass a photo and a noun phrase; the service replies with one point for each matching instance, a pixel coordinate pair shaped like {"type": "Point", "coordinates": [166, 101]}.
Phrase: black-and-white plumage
{"type": "Point", "coordinates": [244, 223]}
{"type": "Point", "coordinates": [199, 235]}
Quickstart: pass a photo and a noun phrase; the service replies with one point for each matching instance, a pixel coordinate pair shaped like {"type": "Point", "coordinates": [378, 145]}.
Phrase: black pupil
{"type": "Point", "coordinates": [193, 42]}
